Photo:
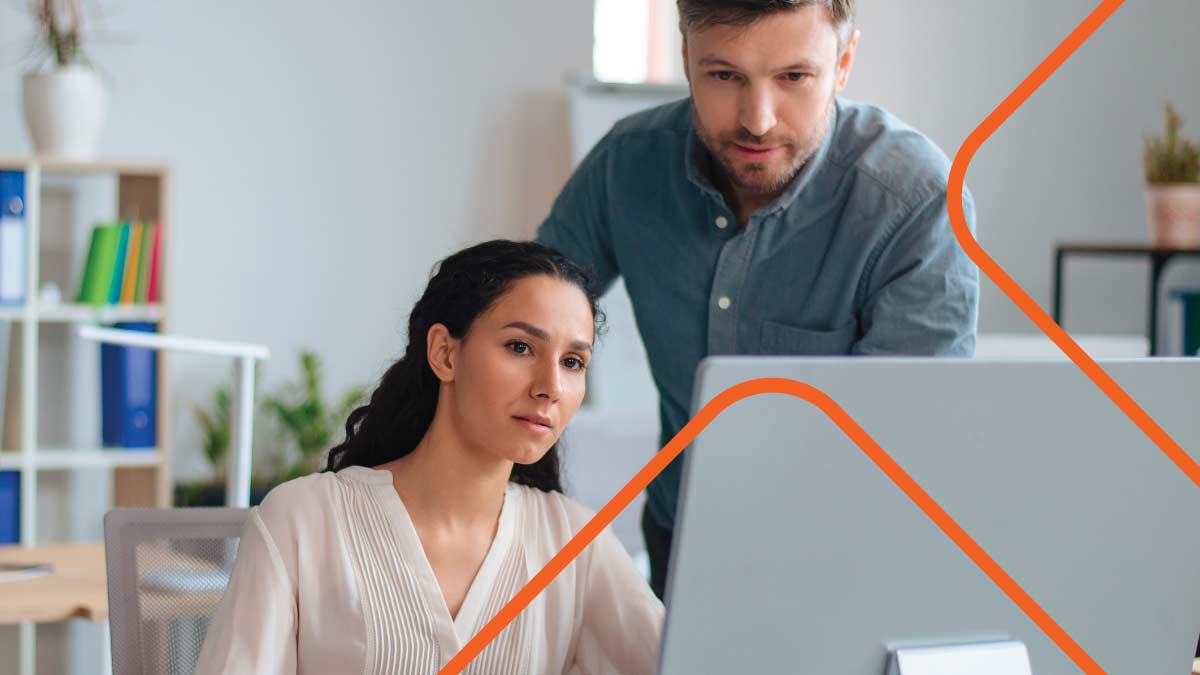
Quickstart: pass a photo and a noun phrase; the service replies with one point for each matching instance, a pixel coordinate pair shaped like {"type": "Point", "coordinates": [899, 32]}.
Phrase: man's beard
{"type": "Point", "coordinates": [756, 178]}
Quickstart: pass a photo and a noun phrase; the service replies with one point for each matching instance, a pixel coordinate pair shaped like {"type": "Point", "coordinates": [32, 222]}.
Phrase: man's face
{"type": "Point", "coordinates": [762, 94]}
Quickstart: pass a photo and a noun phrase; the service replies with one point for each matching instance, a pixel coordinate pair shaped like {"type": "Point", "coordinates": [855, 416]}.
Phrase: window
{"type": "Point", "coordinates": [637, 41]}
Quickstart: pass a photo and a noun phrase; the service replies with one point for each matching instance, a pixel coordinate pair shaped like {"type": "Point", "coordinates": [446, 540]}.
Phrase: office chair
{"type": "Point", "coordinates": [167, 570]}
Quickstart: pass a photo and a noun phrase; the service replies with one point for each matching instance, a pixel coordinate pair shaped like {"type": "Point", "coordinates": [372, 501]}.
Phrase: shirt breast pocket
{"type": "Point", "coordinates": [782, 339]}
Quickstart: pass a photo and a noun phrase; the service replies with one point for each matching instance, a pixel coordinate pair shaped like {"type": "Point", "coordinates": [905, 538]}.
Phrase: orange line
{"type": "Point", "coordinates": [1014, 292]}
{"type": "Point", "coordinates": [686, 435]}
{"type": "Point", "coordinates": [926, 503]}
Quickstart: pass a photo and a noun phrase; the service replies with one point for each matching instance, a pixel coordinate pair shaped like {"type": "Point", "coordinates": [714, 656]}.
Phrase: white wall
{"type": "Point", "coordinates": [1067, 166]}
{"type": "Point", "coordinates": [326, 155]}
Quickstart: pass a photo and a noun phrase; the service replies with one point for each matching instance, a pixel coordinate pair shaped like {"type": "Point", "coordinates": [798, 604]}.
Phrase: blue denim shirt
{"type": "Point", "coordinates": [857, 256]}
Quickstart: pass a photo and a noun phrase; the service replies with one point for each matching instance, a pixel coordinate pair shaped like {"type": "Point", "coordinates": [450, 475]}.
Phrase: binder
{"type": "Point", "coordinates": [129, 392]}
{"type": "Point", "coordinates": [96, 285]}
{"type": "Point", "coordinates": [1185, 318]}
{"type": "Point", "coordinates": [12, 238]}
{"type": "Point", "coordinates": [10, 507]}
{"type": "Point", "coordinates": [132, 256]}
{"type": "Point", "coordinates": [152, 292]}
{"type": "Point", "coordinates": [149, 241]}
{"type": "Point", "coordinates": [118, 266]}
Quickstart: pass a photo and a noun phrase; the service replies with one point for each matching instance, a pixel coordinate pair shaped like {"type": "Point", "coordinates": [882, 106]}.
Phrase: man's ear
{"type": "Point", "coordinates": [846, 60]}
{"type": "Point", "coordinates": [687, 73]}
{"type": "Point", "coordinates": [441, 349]}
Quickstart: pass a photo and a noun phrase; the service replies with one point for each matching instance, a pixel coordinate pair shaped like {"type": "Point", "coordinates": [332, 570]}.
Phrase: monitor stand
{"type": "Point", "coordinates": [980, 658]}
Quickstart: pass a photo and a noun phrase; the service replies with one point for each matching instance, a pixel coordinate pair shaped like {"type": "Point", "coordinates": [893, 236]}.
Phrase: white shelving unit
{"type": "Point", "coordinates": [140, 477]}
{"type": "Point", "coordinates": [78, 313]}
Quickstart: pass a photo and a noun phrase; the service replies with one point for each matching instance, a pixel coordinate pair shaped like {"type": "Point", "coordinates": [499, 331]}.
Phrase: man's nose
{"type": "Point", "coordinates": [757, 110]}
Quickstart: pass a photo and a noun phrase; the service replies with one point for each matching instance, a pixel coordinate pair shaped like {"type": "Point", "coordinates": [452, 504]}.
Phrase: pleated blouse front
{"type": "Point", "coordinates": [331, 577]}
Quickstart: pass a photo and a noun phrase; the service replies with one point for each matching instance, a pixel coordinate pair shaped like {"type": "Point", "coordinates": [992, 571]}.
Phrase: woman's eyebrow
{"type": "Point", "coordinates": [529, 328]}
{"type": "Point", "coordinates": [577, 345]}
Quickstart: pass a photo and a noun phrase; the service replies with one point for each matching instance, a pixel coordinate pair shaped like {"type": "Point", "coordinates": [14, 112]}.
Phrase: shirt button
{"type": "Point", "coordinates": [724, 302]}
{"type": "Point", "coordinates": [722, 222]}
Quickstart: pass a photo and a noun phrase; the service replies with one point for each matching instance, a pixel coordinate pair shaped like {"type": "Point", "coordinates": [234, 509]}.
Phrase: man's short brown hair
{"type": "Point", "coordinates": [700, 14]}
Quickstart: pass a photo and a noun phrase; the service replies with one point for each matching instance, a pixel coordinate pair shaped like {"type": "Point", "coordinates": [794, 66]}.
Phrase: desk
{"type": "Point", "coordinates": [76, 589]}
{"type": "Point", "coordinates": [1158, 257]}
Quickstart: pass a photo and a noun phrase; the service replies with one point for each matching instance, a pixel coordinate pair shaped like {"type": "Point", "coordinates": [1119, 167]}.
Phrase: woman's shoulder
{"type": "Point", "coordinates": [300, 504]}
{"type": "Point", "coordinates": [314, 490]}
{"type": "Point", "coordinates": [297, 493]}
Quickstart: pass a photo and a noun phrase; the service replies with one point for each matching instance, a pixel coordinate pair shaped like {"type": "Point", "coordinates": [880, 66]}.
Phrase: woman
{"type": "Point", "coordinates": [443, 501]}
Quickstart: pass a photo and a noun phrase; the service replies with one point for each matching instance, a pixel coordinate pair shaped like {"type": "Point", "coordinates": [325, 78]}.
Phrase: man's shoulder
{"type": "Point", "coordinates": [670, 120]}
{"type": "Point", "coordinates": [899, 159]}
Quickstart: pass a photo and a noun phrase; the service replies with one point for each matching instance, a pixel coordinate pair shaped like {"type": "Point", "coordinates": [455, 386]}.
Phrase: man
{"type": "Point", "coordinates": [765, 215]}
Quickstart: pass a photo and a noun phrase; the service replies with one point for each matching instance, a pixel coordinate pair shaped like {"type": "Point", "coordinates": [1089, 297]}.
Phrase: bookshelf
{"type": "Point", "coordinates": [140, 477]}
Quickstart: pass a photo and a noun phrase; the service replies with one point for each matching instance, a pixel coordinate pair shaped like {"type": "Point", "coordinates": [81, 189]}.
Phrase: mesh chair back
{"type": "Point", "coordinates": [167, 570]}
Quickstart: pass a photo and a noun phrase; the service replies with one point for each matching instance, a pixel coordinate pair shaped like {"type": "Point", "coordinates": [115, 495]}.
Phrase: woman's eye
{"type": "Point", "coordinates": [573, 363]}
{"type": "Point", "coordinates": [518, 347]}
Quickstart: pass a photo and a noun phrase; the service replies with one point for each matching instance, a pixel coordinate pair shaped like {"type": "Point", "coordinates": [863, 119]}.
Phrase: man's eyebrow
{"type": "Point", "coordinates": [577, 345]}
{"type": "Point", "coordinates": [803, 64]}
{"type": "Point", "coordinates": [714, 61]}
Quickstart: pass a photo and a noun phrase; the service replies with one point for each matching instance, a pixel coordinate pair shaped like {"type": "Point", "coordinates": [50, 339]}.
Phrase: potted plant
{"type": "Point", "coordinates": [306, 420]}
{"type": "Point", "coordinates": [1173, 186]}
{"type": "Point", "coordinates": [214, 422]}
{"type": "Point", "coordinates": [63, 97]}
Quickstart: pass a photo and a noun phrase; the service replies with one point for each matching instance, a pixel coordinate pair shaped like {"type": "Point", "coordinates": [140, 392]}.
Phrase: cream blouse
{"type": "Point", "coordinates": [331, 578]}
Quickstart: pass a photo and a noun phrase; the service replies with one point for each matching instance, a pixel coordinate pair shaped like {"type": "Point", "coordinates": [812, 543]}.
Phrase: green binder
{"type": "Point", "coordinates": [98, 270]}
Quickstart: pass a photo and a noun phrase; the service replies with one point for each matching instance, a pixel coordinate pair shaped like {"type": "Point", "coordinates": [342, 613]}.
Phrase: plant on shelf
{"type": "Point", "coordinates": [307, 422]}
{"type": "Point", "coordinates": [60, 30]}
{"type": "Point", "coordinates": [1172, 167]}
{"type": "Point", "coordinates": [63, 96]}
{"type": "Point", "coordinates": [215, 424]}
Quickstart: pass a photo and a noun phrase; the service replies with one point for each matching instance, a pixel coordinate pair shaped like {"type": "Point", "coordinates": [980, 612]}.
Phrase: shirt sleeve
{"type": "Point", "coordinates": [621, 618]}
{"type": "Point", "coordinates": [923, 292]}
{"type": "Point", "coordinates": [578, 222]}
{"type": "Point", "coordinates": [254, 630]}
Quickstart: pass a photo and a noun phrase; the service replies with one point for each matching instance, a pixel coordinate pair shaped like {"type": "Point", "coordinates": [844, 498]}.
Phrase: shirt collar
{"type": "Point", "coordinates": [698, 163]}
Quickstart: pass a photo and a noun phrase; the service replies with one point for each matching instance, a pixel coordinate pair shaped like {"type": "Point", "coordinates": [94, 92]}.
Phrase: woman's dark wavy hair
{"type": "Point", "coordinates": [462, 287]}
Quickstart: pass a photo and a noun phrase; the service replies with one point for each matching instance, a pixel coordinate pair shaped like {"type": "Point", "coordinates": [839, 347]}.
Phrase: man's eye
{"type": "Point", "coordinates": [796, 77]}
{"type": "Point", "coordinates": [723, 75]}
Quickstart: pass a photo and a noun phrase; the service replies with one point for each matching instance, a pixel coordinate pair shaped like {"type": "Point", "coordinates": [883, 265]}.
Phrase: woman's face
{"type": "Point", "coordinates": [518, 374]}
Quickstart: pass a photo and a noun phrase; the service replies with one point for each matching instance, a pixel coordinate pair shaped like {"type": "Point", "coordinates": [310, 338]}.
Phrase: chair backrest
{"type": "Point", "coordinates": [167, 570]}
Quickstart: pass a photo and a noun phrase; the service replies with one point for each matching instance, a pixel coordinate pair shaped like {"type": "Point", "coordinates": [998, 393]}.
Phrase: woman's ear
{"type": "Point", "coordinates": [441, 348]}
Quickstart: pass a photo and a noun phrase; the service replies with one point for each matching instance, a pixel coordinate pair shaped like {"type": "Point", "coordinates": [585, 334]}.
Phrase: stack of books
{"type": "Point", "coordinates": [122, 264]}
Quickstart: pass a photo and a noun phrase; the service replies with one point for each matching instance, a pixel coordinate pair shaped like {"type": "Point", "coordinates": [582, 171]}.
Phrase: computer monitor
{"type": "Point", "coordinates": [795, 553]}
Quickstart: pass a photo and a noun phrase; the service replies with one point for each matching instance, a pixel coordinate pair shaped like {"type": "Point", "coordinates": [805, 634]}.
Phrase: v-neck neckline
{"type": "Point", "coordinates": [462, 626]}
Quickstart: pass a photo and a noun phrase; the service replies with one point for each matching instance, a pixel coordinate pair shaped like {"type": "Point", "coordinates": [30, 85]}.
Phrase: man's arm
{"type": "Point", "coordinates": [578, 222]}
{"type": "Point", "coordinates": [922, 293]}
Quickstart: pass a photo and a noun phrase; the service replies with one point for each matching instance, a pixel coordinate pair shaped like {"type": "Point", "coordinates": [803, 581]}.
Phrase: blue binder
{"type": "Point", "coordinates": [12, 238]}
{"type": "Point", "coordinates": [129, 392]}
{"type": "Point", "coordinates": [10, 507]}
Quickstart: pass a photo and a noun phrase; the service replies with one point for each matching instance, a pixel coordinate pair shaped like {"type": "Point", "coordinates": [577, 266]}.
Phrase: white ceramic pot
{"type": "Point", "coordinates": [64, 110]}
{"type": "Point", "coordinates": [1173, 212]}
